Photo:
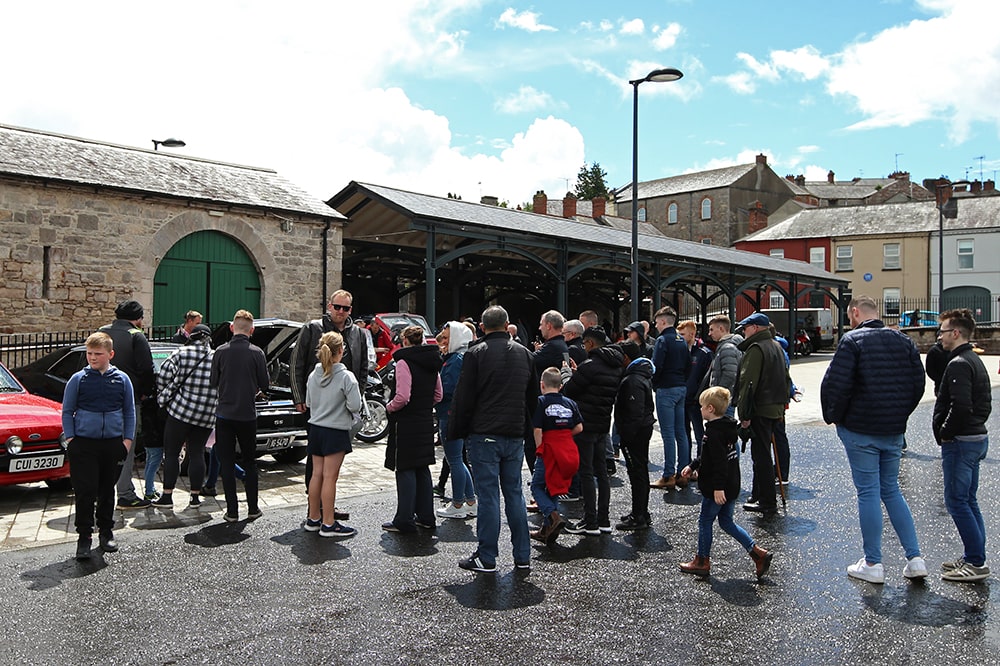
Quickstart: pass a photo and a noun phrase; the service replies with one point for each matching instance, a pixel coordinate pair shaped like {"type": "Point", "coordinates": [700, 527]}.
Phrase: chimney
{"type": "Point", "coordinates": [489, 201]}
{"type": "Point", "coordinates": [829, 176]}
{"type": "Point", "coordinates": [569, 205]}
{"type": "Point", "coordinates": [989, 186]}
{"type": "Point", "coordinates": [800, 180]}
{"type": "Point", "coordinates": [762, 159]}
{"type": "Point", "coordinates": [790, 178]}
{"type": "Point", "coordinates": [540, 204]}
{"type": "Point", "coordinates": [758, 217]}
{"type": "Point", "coordinates": [976, 187]}
{"type": "Point", "coordinates": [900, 175]}
{"type": "Point", "coordinates": [599, 205]}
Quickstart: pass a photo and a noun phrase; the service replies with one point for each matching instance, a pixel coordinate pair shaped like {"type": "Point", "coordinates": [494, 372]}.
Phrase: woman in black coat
{"type": "Point", "coordinates": [410, 449]}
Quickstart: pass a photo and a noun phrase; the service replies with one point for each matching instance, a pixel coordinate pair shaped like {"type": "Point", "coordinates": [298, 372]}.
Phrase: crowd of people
{"type": "Point", "coordinates": [564, 408]}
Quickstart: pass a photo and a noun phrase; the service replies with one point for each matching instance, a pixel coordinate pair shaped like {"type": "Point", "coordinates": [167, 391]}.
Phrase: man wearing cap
{"type": "Point", "coordinates": [763, 386]}
{"type": "Point", "coordinates": [134, 358]}
{"type": "Point", "coordinates": [185, 391]}
{"type": "Point", "coordinates": [636, 332]}
{"type": "Point", "coordinates": [671, 365]}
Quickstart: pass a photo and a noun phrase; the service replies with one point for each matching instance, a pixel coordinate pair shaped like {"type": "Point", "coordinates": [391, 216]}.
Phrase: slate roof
{"type": "Point", "coordinates": [689, 182]}
{"type": "Point", "coordinates": [54, 157]}
{"type": "Point", "coordinates": [453, 211]}
{"type": "Point", "coordinates": [915, 217]}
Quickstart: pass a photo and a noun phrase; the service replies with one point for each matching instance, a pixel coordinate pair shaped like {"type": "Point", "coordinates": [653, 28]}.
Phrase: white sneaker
{"type": "Point", "coordinates": [451, 511]}
{"type": "Point", "coordinates": [873, 574]}
{"type": "Point", "coordinates": [470, 510]}
{"type": "Point", "coordinates": [915, 568]}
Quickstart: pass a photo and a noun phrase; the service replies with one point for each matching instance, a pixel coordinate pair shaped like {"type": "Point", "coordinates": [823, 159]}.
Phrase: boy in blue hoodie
{"type": "Point", "coordinates": [98, 419]}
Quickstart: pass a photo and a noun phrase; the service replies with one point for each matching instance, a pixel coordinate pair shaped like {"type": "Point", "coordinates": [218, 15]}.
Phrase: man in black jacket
{"type": "Point", "coordinates": [495, 391]}
{"type": "Point", "coordinates": [594, 385]}
{"type": "Point", "coordinates": [134, 358]}
{"type": "Point", "coordinates": [960, 414]}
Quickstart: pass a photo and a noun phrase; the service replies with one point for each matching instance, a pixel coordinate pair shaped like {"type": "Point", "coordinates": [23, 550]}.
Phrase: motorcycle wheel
{"type": "Point", "coordinates": [377, 424]}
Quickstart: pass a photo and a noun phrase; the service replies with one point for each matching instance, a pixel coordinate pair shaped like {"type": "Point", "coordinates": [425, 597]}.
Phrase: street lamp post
{"type": "Point", "coordinates": [656, 76]}
{"type": "Point", "coordinates": [169, 143]}
{"type": "Point", "coordinates": [947, 205]}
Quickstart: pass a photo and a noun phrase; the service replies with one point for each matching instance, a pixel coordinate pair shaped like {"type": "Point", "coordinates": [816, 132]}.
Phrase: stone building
{"type": "Point", "coordinates": [85, 224]}
{"type": "Point", "coordinates": [712, 207]}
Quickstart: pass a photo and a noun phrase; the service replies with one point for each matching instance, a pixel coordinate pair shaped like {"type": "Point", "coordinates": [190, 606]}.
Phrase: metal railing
{"type": "Point", "coordinates": [19, 349]}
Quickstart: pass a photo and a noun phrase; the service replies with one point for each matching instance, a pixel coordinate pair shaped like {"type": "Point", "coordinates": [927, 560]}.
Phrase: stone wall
{"type": "Point", "coordinates": [102, 247]}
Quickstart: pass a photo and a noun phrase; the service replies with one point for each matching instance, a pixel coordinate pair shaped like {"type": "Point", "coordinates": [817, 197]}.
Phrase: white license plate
{"type": "Point", "coordinates": [278, 443]}
{"type": "Point", "coordinates": [36, 463]}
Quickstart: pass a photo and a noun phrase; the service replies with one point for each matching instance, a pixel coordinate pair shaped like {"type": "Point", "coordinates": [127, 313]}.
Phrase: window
{"type": "Point", "coordinates": [890, 256]}
{"type": "Point", "coordinates": [777, 301]}
{"type": "Point", "coordinates": [777, 252]}
{"type": "Point", "coordinates": [706, 209]}
{"type": "Point", "coordinates": [706, 241]}
{"type": "Point", "coordinates": [845, 257]}
{"type": "Point", "coordinates": [641, 216]}
{"type": "Point", "coordinates": [965, 253]}
{"type": "Point", "coordinates": [890, 301]}
{"type": "Point", "coordinates": [817, 257]}
{"type": "Point", "coordinates": [672, 214]}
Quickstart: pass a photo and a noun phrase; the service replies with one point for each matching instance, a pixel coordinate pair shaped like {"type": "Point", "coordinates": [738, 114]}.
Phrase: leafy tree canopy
{"type": "Point", "coordinates": [590, 182]}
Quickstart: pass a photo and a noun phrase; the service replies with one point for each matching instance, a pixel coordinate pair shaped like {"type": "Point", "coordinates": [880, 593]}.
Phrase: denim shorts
{"type": "Point", "coordinates": [328, 441]}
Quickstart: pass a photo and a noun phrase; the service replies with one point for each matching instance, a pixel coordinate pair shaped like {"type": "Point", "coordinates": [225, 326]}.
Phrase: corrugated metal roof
{"type": "Point", "coordinates": [902, 218]}
{"type": "Point", "coordinates": [427, 207]}
{"type": "Point", "coordinates": [55, 157]}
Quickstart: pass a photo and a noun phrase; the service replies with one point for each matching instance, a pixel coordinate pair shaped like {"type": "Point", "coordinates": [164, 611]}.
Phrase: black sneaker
{"type": "Point", "coordinates": [582, 528]}
{"type": "Point", "coordinates": [195, 500]}
{"type": "Point", "coordinates": [630, 522]}
{"type": "Point", "coordinates": [522, 566]}
{"type": "Point", "coordinates": [255, 514]}
{"type": "Point", "coordinates": [230, 518]}
{"type": "Point", "coordinates": [438, 491]}
{"type": "Point", "coordinates": [166, 500]}
{"type": "Point", "coordinates": [473, 563]}
{"type": "Point", "coordinates": [134, 503]}
{"type": "Point", "coordinates": [612, 467]}
{"type": "Point", "coordinates": [108, 543]}
{"type": "Point", "coordinates": [209, 491]}
{"type": "Point", "coordinates": [752, 505]}
{"type": "Point", "coordinates": [83, 549]}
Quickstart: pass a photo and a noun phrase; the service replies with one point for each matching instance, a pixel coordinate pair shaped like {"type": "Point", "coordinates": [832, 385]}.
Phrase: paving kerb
{"type": "Point", "coordinates": [32, 514]}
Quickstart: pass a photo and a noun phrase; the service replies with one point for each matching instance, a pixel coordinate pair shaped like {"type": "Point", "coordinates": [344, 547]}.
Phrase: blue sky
{"type": "Point", "coordinates": [502, 98]}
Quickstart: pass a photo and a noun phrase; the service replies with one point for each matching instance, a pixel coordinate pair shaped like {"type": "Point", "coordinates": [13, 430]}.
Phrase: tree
{"type": "Point", "coordinates": [590, 182]}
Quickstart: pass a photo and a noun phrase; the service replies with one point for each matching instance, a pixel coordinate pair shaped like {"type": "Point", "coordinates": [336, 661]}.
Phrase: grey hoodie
{"type": "Point", "coordinates": [332, 400]}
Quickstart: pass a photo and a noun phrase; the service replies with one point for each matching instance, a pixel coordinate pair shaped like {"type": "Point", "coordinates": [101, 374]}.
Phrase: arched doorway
{"type": "Point", "coordinates": [976, 299]}
{"type": "Point", "coordinates": [205, 271]}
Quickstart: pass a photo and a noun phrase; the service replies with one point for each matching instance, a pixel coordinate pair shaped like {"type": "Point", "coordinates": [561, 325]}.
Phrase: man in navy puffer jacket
{"type": "Point", "coordinates": [873, 384]}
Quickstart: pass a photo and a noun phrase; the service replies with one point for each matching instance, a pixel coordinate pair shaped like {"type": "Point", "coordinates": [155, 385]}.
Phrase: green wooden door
{"type": "Point", "coordinates": [208, 272]}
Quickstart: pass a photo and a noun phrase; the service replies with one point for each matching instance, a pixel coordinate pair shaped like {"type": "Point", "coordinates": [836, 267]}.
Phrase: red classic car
{"type": "Point", "coordinates": [32, 446]}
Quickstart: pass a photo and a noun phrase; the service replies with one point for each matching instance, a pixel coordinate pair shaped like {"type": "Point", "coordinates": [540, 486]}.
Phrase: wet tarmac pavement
{"type": "Point", "coordinates": [186, 591]}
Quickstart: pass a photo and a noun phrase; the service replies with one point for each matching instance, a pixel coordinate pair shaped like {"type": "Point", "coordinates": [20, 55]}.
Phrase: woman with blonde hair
{"type": "Point", "coordinates": [333, 398]}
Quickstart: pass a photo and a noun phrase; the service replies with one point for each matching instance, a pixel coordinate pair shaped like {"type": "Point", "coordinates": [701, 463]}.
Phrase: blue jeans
{"type": "Point", "coordinates": [960, 462]}
{"type": "Point", "coordinates": [724, 512]}
{"type": "Point", "coordinates": [673, 428]}
{"type": "Point", "coordinates": [462, 487]}
{"type": "Point", "coordinates": [874, 463]}
{"type": "Point", "coordinates": [154, 455]}
{"type": "Point", "coordinates": [546, 503]}
{"type": "Point", "coordinates": [414, 496]}
{"type": "Point", "coordinates": [496, 466]}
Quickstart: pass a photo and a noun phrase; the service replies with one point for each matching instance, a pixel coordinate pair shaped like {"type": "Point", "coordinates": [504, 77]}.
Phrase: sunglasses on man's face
{"type": "Point", "coordinates": [345, 308]}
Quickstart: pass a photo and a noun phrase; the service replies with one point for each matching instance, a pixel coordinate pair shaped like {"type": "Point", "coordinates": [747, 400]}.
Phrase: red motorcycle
{"type": "Point", "coordinates": [803, 344]}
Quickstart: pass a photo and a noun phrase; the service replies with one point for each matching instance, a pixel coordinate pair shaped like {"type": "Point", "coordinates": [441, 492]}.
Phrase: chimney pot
{"type": "Point", "coordinates": [829, 176]}
{"type": "Point", "coordinates": [569, 205]}
{"type": "Point", "coordinates": [540, 203]}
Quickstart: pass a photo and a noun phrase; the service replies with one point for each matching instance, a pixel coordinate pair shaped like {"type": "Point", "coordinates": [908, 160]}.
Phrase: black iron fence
{"type": "Point", "coordinates": [17, 349]}
{"type": "Point", "coordinates": [907, 312]}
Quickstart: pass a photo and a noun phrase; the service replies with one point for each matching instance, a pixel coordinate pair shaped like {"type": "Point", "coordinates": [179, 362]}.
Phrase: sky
{"type": "Point", "coordinates": [506, 98]}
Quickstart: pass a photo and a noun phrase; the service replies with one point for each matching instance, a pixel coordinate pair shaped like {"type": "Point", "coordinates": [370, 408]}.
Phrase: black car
{"type": "Point", "coordinates": [281, 429]}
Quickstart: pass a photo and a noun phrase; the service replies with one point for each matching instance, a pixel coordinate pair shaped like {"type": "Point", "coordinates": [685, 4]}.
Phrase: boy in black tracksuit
{"type": "Point", "coordinates": [634, 420]}
{"type": "Point", "coordinates": [718, 469]}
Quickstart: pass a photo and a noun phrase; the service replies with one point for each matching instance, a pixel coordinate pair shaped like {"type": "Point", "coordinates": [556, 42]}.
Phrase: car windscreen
{"type": "Point", "coordinates": [7, 382]}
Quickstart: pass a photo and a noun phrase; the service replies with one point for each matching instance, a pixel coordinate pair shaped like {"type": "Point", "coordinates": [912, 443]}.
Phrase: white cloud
{"type": "Point", "coordinates": [805, 61]}
{"type": "Point", "coordinates": [607, 25]}
{"type": "Point", "coordinates": [761, 70]}
{"type": "Point", "coordinates": [902, 76]}
{"type": "Point", "coordinates": [633, 27]}
{"type": "Point", "coordinates": [739, 82]}
{"type": "Point", "coordinates": [523, 20]}
{"type": "Point", "coordinates": [666, 38]}
{"type": "Point", "coordinates": [526, 99]}
{"type": "Point", "coordinates": [804, 150]}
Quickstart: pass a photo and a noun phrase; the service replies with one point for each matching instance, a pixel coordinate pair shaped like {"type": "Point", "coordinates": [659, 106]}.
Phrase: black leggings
{"type": "Point", "coordinates": [636, 452]}
{"type": "Point", "coordinates": [175, 433]}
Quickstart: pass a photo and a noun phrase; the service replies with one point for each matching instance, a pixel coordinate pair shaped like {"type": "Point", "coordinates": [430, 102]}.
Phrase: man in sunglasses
{"type": "Point", "coordinates": [337, 318]}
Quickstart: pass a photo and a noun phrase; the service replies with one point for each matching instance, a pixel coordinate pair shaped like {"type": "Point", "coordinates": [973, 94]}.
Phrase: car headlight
{"type": "Point", "coordinates": [14, 444]}
{"type": "Point", "coordinates": [62, 441]}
